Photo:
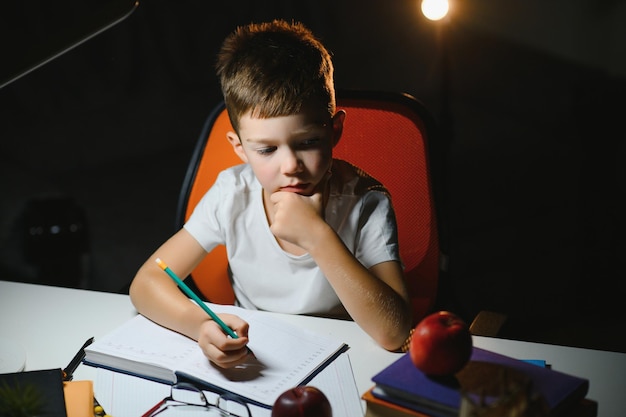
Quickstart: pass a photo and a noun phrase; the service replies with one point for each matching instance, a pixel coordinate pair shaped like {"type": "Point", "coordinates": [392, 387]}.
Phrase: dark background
{"type": "Point", "coordinates": [535, 181]}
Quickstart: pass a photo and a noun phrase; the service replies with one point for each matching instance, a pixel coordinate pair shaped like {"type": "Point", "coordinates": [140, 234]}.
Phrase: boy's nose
{"type": "Point", "coordinates": [291, 163]}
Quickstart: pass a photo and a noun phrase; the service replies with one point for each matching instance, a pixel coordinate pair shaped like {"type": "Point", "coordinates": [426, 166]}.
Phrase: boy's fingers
{"type": "Point", "coordinates": [236, 323]}
{"type": "Point", "coordinates": [224, 351]}
{"type": "Point", "coordinates": [241, 328]}
{"type": "Point", "coordinates": [226, 359]}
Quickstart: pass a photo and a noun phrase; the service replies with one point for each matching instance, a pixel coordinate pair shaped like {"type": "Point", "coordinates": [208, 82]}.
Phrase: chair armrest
{"type": "Point", "coordinates": [487, 323]}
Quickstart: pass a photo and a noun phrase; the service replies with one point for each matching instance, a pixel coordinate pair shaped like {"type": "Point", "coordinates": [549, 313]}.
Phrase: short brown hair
{"type": "Point", "coordinates": [274, 69]}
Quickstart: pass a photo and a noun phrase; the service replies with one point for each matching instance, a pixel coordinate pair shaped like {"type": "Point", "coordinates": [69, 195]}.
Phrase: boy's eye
{"type": "Point", "coordinates": [303, 144]}
{"type": "Point", "coordinates": [310, 143]}
{"type": "Point", "coordinates": [266, 151]}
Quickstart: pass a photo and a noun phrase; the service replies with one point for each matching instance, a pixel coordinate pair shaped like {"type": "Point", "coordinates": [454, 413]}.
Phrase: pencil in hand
{"type": "Point", "coordinates": [197, 299]}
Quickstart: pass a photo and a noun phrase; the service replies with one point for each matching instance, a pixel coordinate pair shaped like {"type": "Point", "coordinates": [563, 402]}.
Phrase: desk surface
{"type": "Point", "coordinates": [52, 323]}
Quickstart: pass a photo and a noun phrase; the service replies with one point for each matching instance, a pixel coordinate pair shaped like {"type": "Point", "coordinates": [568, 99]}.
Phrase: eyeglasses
{"type": "Point", "coordinates": [187, 400]}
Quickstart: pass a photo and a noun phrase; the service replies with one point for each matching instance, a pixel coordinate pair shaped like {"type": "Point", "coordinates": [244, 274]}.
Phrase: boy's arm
{"type": "Point", "coordinates": [376, 298]}
{"type": "Point", "coordinates": [156, 296]}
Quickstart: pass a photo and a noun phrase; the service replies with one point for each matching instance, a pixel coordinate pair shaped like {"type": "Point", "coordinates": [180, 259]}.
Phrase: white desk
{"type": "Point", "coordinates": [52, 323]}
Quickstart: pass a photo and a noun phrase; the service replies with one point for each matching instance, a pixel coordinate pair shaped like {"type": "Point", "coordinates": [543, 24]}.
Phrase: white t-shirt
{"type": "Point", "coordinates": [264, 276]}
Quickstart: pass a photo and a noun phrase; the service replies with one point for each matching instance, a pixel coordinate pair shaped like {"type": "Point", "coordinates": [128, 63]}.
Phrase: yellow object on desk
{"type": "Point", "coordinates": [78, 398]}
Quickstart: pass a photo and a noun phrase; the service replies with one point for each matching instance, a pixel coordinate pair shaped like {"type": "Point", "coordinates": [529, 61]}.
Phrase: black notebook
{"type": "Point", "coordinates": [41, 391]}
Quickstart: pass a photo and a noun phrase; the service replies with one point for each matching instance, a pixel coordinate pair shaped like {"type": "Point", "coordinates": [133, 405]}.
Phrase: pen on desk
{"type": "Point", "coordinates": [197, 299]}
{"type": "Point", "coordinates": [68, 372]}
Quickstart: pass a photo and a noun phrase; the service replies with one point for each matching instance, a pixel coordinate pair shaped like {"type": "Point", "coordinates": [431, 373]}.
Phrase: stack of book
{"type": "Point", "coordinates": [489, 380]}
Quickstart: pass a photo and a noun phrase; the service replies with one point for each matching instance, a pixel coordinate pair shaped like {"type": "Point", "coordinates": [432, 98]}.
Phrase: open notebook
{"type": "Point", "coordinates": [126, 395]}
{"type": "Point", "coordinates": [285, 356]}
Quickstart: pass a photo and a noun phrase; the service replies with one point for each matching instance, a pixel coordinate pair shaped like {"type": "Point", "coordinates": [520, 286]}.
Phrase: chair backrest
{"type": "Point", "coordinates": [385, 134]}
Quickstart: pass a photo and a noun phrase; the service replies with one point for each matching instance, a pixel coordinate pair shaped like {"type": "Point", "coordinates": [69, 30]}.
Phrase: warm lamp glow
{"type": "Point", "coordinates": [435, 9]}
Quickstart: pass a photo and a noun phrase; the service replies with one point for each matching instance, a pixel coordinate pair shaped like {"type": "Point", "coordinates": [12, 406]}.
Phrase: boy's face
{"type": "Point", "coordinates": [288, 153]}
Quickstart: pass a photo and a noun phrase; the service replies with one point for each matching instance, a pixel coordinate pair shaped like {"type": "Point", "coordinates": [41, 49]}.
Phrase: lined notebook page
{"type": "Point", "coordinates": [285, 355]}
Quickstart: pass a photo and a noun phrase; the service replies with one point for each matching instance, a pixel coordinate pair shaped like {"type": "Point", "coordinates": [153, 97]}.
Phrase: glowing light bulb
{"type": "Point", "coordinates": [435, 9]}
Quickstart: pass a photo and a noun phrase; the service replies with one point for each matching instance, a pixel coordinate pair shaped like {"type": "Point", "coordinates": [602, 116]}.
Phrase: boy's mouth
{"type": "Point", "coordinates": [295, 188]}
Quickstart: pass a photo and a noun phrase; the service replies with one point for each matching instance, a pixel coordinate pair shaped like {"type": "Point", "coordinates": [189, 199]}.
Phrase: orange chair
{"type": "Point", "coordinates": [385, 134]}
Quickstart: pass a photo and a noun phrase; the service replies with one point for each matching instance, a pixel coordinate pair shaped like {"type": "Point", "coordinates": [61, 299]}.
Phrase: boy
{"type": "Point", "coordinates": [305, 234]}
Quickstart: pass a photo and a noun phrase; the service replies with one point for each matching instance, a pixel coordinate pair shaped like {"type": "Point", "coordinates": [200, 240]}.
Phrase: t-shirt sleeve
{"type": "Point", "coordinates": [204, 222]}
{"type": "Point", "coordinates": [378, 233]}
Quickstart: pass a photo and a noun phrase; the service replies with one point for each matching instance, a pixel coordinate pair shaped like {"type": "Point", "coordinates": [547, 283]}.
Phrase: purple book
{"type": "Point", "coordinates": [483, 377]}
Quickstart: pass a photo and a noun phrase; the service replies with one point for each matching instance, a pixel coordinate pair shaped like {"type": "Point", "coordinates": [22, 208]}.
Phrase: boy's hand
{"type": "Point", "coordinates": [295, 216]}
{"type": "Point", "coordinates": [221, 349]}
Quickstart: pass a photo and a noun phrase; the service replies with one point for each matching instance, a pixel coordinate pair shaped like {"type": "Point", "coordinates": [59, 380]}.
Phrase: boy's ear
{"type": "Point", "coordinates": [338, 120]}
{"type": "Point", "coordinates": [234, 140]}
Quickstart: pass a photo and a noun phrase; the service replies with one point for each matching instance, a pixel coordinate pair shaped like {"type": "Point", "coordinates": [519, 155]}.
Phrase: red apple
{"type": "Point", "coordinates": [302, 401]}
{"type": "Point", "coordinates": [441, 344]}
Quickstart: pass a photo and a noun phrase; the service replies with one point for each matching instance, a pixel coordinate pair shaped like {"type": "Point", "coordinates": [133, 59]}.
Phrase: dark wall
{"type": "Point", "coordinates": [535, 179]}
